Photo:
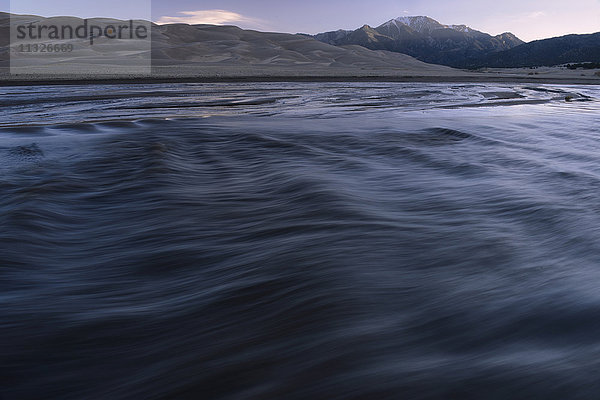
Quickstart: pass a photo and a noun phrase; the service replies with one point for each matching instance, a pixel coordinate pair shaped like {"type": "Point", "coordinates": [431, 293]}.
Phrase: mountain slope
{"type": "Point", "coordinates": [546, 52]}
{"type": "Point", "coordinates": [425, 39]}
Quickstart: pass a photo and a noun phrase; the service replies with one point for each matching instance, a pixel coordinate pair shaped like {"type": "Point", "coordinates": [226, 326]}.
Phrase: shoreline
{"type": "Point", "coordinates": [303, 79]}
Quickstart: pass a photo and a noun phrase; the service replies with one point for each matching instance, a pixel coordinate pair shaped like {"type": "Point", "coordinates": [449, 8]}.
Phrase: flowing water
{"type": "Point", "coordinates": [295, 241]}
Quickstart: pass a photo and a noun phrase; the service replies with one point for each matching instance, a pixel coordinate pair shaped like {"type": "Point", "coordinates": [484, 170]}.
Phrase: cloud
{"type": "Point", "coordinates": [535, 15]}
{"type": "Point", "coordinates": [211, 17]}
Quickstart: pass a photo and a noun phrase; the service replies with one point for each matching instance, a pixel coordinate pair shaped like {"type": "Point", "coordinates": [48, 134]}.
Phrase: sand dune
{"type": "Point", "coordinates": [229, 45]}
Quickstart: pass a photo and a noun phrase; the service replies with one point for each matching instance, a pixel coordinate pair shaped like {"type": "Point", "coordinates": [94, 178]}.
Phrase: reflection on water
{"type": "Point", "coordinates": [334, 241]}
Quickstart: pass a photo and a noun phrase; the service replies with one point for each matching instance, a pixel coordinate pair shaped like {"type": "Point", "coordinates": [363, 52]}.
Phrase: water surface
{"type": "Point", "coordinates": [293, 241]}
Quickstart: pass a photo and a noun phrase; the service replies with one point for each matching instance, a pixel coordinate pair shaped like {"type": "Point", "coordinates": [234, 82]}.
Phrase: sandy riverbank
{"type": "Point", "coordinates": [245, 75]}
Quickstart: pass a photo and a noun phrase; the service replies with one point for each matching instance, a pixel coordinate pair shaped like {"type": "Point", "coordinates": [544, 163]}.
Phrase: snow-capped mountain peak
{"type": "Point", "coordinates": [419, 24]}
{"type": "Point", "coordinates": [424, 24]}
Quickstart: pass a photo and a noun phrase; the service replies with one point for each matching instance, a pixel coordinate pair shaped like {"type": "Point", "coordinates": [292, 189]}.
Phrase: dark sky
{"type": "Point", "coordinates": [528, 19]}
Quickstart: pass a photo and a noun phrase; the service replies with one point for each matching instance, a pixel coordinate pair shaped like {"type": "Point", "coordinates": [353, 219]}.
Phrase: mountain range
{"type": "Point", "coordinates": [460, 46]}
{"type": "Point", "coordinates": [425, 39]}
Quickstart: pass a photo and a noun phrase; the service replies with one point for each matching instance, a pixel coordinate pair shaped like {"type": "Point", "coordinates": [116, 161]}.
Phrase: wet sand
{"type": "Point", "coordinates": [19, 80]}
{"type": "Point", "coordinates": [269, 73]}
